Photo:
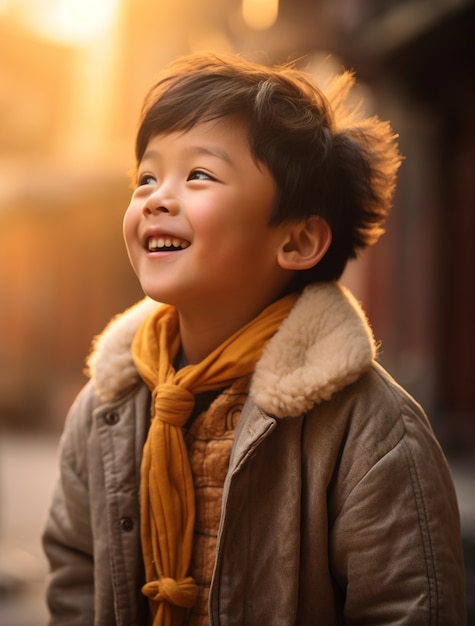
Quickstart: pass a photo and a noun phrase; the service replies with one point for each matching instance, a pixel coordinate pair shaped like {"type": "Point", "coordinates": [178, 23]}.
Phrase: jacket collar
{"type": "Point", "coordinates": [324, 344]}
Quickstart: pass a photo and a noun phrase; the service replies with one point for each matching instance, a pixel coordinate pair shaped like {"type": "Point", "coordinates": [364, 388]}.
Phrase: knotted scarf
{"type": "Point", "coordinates": [166, 491]}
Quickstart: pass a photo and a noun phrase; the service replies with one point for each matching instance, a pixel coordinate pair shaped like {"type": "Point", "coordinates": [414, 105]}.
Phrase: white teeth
{"type": "Point", "coordinates": [161, 243]}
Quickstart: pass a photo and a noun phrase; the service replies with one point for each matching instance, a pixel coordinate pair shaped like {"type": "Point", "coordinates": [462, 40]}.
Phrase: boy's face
{"type": "Point", "coordinates": [197, 227]}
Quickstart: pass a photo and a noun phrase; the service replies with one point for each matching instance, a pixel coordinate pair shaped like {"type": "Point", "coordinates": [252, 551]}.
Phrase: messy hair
{"type": "Point", "coordinates": [326, 157]}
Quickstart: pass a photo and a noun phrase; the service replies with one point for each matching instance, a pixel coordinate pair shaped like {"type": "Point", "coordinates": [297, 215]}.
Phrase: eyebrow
{"type": "Point", "coordinates": [212, 150]}
{"type": "Point", "coordinates": [205, 150]}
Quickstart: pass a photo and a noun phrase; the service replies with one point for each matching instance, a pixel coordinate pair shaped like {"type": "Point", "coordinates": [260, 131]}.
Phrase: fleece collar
{"type": "Point", "coordinates": [324, 344]}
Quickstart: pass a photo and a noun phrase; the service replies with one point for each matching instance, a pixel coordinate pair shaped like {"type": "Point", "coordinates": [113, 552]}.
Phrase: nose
{"type": "Point", "coordinates": [161, 200]}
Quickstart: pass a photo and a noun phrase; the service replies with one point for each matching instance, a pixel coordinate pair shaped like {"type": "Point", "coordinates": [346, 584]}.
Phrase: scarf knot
{"type": "Point", "coordinates": [173, 404]}
{"type": "Point", "coordinates": [180, 593]}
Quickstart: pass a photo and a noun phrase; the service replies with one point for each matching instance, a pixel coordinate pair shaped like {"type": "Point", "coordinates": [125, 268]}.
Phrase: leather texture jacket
{"type": "Point", "coordinates": [338, 506]}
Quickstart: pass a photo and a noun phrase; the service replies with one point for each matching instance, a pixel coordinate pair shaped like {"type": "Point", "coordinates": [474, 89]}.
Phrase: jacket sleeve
{"type": "Point", "coordinates": [395, 544]}
{"type": "Point", "coordinates": [67, 538]}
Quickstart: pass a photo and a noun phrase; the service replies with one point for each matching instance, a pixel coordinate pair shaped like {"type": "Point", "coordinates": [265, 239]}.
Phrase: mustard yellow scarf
{"type": "Point", "coordinates": [167, 493]}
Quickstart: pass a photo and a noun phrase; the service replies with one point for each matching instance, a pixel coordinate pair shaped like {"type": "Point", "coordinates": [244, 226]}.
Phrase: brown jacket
{"type": "Point", "coordinates": [338, 506]}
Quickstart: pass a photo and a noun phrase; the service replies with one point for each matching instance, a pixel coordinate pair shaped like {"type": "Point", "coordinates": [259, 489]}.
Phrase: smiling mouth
{"type": "Point", "coordinates": [158, 244]}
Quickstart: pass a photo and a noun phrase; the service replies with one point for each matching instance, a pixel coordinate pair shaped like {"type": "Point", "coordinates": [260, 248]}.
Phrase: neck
{"type": "Point", "coordinates": [201, 334]}
{"type": "Point", "coordinates": [209, 321]}
{"type": "Point", "coordinates": [200, 338]}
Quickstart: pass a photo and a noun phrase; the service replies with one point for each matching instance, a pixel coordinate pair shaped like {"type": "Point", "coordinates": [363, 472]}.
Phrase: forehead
{"type": "Point", "coordinates": [220, 138]}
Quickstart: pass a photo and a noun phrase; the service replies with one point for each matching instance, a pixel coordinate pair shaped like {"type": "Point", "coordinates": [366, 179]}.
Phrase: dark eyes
{"type": "Point", "coordinates": [200, 175]}
{"type": "Point", "coordinates": [148, 179]}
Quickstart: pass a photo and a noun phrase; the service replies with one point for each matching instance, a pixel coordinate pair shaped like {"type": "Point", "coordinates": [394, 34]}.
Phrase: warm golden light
{"type": "Point", "coordinates": [67, 21]}
{"type": "Point", "coordinates": [260, 14]}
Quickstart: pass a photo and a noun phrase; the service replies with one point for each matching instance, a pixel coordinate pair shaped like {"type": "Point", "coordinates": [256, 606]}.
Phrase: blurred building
{"type": "Point", "coordinates": [419, 58]}
{"type": "Point", "coordinates": [69, 101]}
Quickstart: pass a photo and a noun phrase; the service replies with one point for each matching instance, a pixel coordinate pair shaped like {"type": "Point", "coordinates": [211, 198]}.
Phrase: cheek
{"type": "Point", "coordinates": [224, 219]}
{"type": "Point", "coordinates": [219, 238]}
{"type": "Point", "coordinates": [129, 223]}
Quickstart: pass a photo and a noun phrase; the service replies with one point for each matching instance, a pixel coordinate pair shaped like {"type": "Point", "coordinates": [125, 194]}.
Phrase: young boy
{"type": "Point", "coordinates": [238, 456]}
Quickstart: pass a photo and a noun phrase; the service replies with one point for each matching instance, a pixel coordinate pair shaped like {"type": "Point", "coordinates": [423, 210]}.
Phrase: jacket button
{"type": "Point", "coordinates": [127, 524]}
{"type": "Point", "coordinates": [111, 418]}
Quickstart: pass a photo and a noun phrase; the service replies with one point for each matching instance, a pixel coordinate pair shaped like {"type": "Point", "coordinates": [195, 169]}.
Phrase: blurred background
{"type": "Point", "coordinates": [73, 74]}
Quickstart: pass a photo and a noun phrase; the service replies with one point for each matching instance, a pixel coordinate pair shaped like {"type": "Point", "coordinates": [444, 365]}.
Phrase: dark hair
{"type": "Point", "coordinates": [326, 158]}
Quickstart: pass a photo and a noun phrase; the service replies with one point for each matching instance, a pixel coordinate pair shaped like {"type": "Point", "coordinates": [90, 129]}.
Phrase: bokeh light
{"type": "Point", "coordinates": [73, 22]}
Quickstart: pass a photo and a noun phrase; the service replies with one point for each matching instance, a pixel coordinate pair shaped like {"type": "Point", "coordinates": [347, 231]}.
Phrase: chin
{"type": "Point", "coordinates": [153, 295]}
{"type": "Point", "coordinates": [159, 295]}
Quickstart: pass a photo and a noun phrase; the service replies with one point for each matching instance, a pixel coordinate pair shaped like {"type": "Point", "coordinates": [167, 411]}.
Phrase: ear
{"type": "Point", "coordinates": [305, 244]}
